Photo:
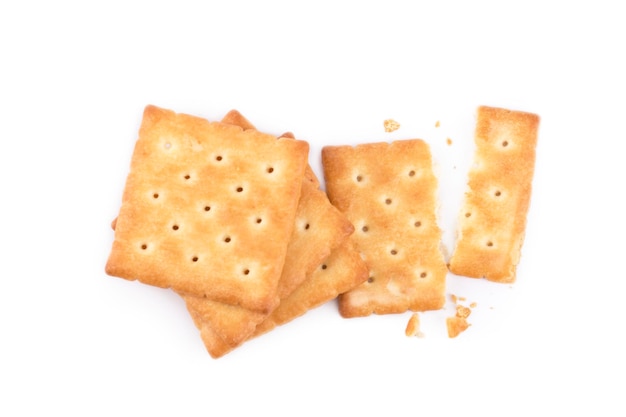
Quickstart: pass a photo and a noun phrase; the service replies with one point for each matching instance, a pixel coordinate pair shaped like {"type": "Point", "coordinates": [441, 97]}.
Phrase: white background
{"type": "Point", "coordinates": [74, 79]}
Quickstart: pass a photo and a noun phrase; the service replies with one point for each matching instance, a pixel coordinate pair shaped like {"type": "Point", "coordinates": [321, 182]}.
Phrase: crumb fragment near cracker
{"type": "Point", "coordinates": [413, 326]}
{"type": "Point", "coordinates": [458, 323]}
{"type": "Point", "coordinates": [391, 125]}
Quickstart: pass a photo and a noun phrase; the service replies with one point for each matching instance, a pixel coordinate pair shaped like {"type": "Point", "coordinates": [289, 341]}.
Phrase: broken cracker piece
{"type": "Point", "coordinates": [413, 326]}
{"type": "Point", "coordinates": [492, 221]}
{"type": "Point", "coordinates": [456, 325]}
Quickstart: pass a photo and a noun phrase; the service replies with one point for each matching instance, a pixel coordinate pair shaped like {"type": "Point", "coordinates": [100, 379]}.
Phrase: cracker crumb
{"type": "Point", "coordinates": [413, 326]}
{"type": "Point", "coordinates": [449, 141]}
{"type": "Point", "coordinates": [437, 123]}
{"type": "Point", "coordinates": [454, 298]}
{"type": "Point", "coordinates": [456, 325]}
{"type": "Point", "coordinates": [474, 304]}
{"type": "Point", "coordinates": [462, 311]}
{"type": "Point", "coordinates": [391, 125]}
{"type": "Point", "coordinates": [462, 298]}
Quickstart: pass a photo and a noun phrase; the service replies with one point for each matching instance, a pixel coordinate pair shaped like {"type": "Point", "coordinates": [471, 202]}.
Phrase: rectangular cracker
{"type": "Point", "coordinates": [492, 221]}
{"type": "Point", "coordinates": [388, 191]}
{"type": "Point", "coordinates": [319, 229]}
{"type": "Point", "coordinates": [341, 271]}
{"type": "Point", "coordinates": [191, 204]}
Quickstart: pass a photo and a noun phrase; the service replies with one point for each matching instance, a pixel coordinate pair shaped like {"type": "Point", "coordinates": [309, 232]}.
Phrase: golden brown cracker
{"type": "Point", "coordinates": [235, 118]}
{"type": "Point", "coordinates": [492, 221]}
{"type": "Point", "coordinates": [319, 228]}
{"type": "Point", "coordinates": [190, 207]}
{"type": "Point", "coordinates": [388, 191]}
{"type": "Point", "coordinates": [342, 270]}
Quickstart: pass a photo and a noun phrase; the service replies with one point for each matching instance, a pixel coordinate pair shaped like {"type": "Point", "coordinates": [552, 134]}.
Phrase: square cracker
{"type": "Point", "coordinates": [492, 221]}
{"type": "Point", "coordinates": [341, 271]}
{"type": "Point", "coordinates": [319, 228]}
{"type": "Point", "coordinates": [388, 191]}
{"type": "Point", "coordinates": [191, 204]}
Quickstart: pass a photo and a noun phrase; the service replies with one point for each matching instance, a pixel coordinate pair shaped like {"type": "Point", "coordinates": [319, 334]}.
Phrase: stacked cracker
{"type": "Point", "coordinates": [233, 220]}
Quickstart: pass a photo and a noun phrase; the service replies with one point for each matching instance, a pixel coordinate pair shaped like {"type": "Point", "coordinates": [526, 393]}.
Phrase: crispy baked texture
{"type": "Point", "coordinates": [234, 117]}
{"type": "Point", "coordinates": [344, 269]}
{"type": "Point", "coordinates": [319, 229]}
{"type": "Point", "coordinates": [492, 221]}
{"type": "Point", "coordinates": [388, 191]}
{"type": "Point", "coordinates": [190, 209]}
{"type": "Point", "coordinates": [340, 272]}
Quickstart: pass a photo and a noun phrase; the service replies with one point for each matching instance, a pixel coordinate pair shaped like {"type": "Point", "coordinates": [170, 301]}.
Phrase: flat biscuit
{"type": "Point", "coordinates": [191, 205]}
{"type": "Point", "coordinates": [492, 221]}
{"type": "Point", "coordinates": [234, 117]}
{"type": "Point", "coordinates": [341, 271]}
{"type": "Point", "coordinates": [319, 228]}
{"type": "Point", "coordinates": [388, 191]}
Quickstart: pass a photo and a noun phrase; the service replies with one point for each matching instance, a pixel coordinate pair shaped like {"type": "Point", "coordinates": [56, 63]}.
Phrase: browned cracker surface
{"type": "Point", "coordinates": [492, 221]}
{"type": "Point", "coordinates": [190, 209]}
{"type": "Point", "coordinates": [388, 191]}
{"type": "Point", "coordinates": [319, 228]}
{"type": "Point", "coordinates": [342, 270]}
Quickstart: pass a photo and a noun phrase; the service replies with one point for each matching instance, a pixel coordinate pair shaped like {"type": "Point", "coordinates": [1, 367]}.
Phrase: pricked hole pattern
{"type": "Point", "coordinates": [490, 243]}
{"type": "Point", "coordinates": [239, 189]}
{"type": "Point", "coordinates": [497, 193]}
{"type": "Point", "coordinates": [246, 271]}
{"type": "Point", "coordinates": [218, 158]}
{"type": "Point", "coordinates": [359, 178]}
{"type": "Point", "coordinates": [468, 214]}
{"type": "Point", "coordinates": [227, 239]}
{"type": "Point", "coordinates": [207, 208]}
{"type": "Point", "coordinates": [259, 220]}
{"type": "Point", "coordinates": [411, 173]}
{"type": "Point", "coordinates": [307, 226]}
{"type": "Point", "coordinates": [417, 224]}
{"type": "Point", "coordinates": [423, 275]}
{"type": "Point", "coordinates": [324, 266]}
{"type": "Point", "coordinates": [505, 144]}
{"type": "Point", "coordinates": [175, 227]}
{"type": "Point", "coordinates": [365, 229]}
{"type": "Point", "coordinates": [194, 259]}
{"type": "Point", "coordinates": [388, 201]}
{"type": "Point", "coordinates": [167, 145]}
{"type": "Point", "coordinates": [187, 176]}
{"type": "Point", "coordinates": [393, 252]}
{"type": "Point", "coordinates": [155, 195]}
{"type": "Point", "coordinates": [144, 246]}
{"type": "Point", "coordinates": [269, 170]}
{"type": "Point", "coordinates": [370, 279]}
